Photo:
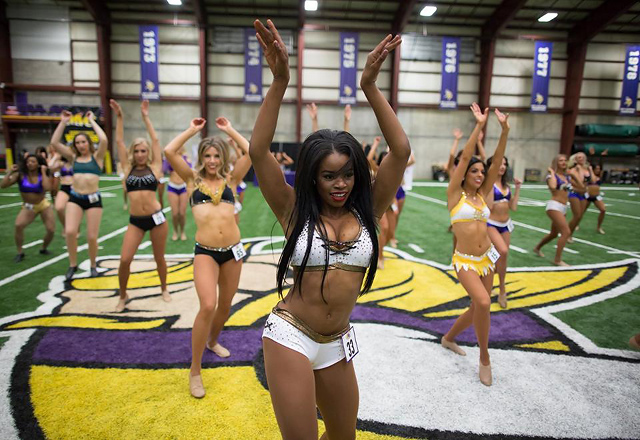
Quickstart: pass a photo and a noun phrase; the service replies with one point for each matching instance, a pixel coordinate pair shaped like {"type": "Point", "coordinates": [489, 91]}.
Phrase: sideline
{"type": "Point", "coordinates": [53, 260]}
{"type": "Point", "coordinates": [540, 186]}
{"type": "Point", "coordinates": [535, 228]}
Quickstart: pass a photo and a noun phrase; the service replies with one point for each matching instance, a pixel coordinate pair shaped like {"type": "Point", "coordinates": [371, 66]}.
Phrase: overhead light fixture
{"type": "Point", "coordinates": [310, 5]}
{"type": "Point", "coordinates": [428, 11]}
{"type": "Point", "coordinates": [548, 17]}
{"type": "Point", "coordinates": [175, 2]}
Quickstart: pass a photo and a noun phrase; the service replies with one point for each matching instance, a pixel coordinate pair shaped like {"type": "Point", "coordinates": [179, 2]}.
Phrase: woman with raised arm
{"type": "Point", "coordinates": [400, 198]}
{"type": "Point", "coordinates": [500, 202]}
{"type": "Point", "coordinates": [475, 256]}
{"type": "Point", "coordinates": [578, 195]}
{"type": "Point", "coordinates": [33, 182]}
{"type": "Point", "coordinates": [142, 166]}
{"type": "Point", "coordinates": [329, 219]}
{"type": "Point", "coordinates": [85, 195]}
{"type": "Point", "coordinates": [178, 198]}
{"type": "Point", "coordinates": [312, 109]}
{"type": "Point", "coordinates": [560, 182]}
{"type": "Point", "coordinates": [593, 189]}
{"type": "Point", "coordinates": [218, 251]}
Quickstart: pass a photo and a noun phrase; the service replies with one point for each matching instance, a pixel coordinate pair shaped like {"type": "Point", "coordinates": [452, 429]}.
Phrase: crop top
{"type": "Point", "coordinates": [141, 180]}
{"type": "Point", "coordinates": [90, 167]}
{"type": "Point", "coordinates": [203, 194]}
{"type": "Point", "coordinates": [66, 171]}
{"type": "Point", "coordinates": [353, 255]}
{"type": "Point", "coordinates": [26, 186]}
{"type": "Point", "coordinates": [464, 211]}
{"type": "Point", "coordinates": [168, 169]}
{"type": "Point", "coordinates": [562, 185]}
{"type": "Point", "coordinates": [499, 196]}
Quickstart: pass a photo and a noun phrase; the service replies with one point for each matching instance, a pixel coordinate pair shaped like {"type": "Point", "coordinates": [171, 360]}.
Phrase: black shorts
{"type": "Point", "coordinates": [82, 200]}
{"type": "Point", "coordinates": [66, 189]}
{"type": "Point", "coordinates": [146, 223]}
{"type": "Point", "coordinates": [220, 256]}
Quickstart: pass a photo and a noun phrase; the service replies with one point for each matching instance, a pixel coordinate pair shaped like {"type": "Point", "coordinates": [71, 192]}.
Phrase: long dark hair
{"type": "Point", "coordinates": [503, 179]}
{"type": "Point", "coordinates": [474, 160]}
{"type": "Point", "coordinates": [22, 167]}
{"type": "Point", "coordinates": [308, 202]}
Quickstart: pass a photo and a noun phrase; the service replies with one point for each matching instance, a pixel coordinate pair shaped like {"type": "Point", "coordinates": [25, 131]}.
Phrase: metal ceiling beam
{"type": "Point", "coordinates": [400, 20]}
{"type": "Point", "coordinates": [598, 19]}
{"type": "Point", "coordinates": [503, 13]}
{"type": "Point", "coordinates": [402, 16]}
{"type": "Point", "coordinates": [201, 12]}
{"type": "Point", "coordinates": [98, 10]}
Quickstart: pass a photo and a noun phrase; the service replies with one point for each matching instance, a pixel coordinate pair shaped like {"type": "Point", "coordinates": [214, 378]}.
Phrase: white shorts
{"type": "Point", "coordinates": [552, 205]}
{"type": "Point", "coordinates": [502, 226]}
{"type": "Point", "coordinates": [320, 355]}
{"type": "Point", "coordinates": [163, 180]}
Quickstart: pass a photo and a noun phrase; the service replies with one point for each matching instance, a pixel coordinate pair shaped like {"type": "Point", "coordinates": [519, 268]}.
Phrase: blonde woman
{"type": "Point", "coordinates": [578, 196]}
{"type": "Point", "coordinates": [218, 251]}
{"type": "Point", "coordinates": [142, 166]}
{"type": "Point", "coordinates": [84, 195]}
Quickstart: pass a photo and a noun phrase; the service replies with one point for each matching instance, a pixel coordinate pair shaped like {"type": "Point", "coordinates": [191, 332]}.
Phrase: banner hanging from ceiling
{"type": "Point", "coordinates": [541, 73]}
{"type": "Point", "coordinates": [450, 64]}
{"type": "Point", "coordinates": [630, 82]}
{"type": "Point", "coordinates": [149, 63]}
{"type": "Point", "coordinates": [348, 67]}
{"type": "Point", "coordinates": [252, 67]}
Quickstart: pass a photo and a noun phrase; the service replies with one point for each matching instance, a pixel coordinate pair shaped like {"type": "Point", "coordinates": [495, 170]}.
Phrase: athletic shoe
{"type": "Point", "coordinates": [18, 258]}
{"type": "Point", "coordinates": [45, 252]}
{"type": "Point", "coordinates": [94, 272]}
{"type": "Point", "coordinates": [70, 272]}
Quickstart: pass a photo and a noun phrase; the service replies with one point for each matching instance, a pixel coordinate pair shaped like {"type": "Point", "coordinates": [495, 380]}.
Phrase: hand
{"type": "Point", "coordinates": [457, 134]}
{"type": "Point", "coordinates": [312, 109]}
{"type": "Point", "coordinates": [551, 170]}
{"type": "Point", "coordinates": [375, 59]}
{"type": "Point", "coordinates": [223, 123]}
{"type": "Point", "coordinates": [43, 169]}
{"type": "Point", "coordinates": [275, 51]}
{"type": "Point", "coordinates": [144, 108]}
{"type": "Point", "coordinates": [89, 115]}
{"type": "Point", "coordinates": [115, 107]}
{"type": "Point", "coordinates": [65, 116]}
{"type": "Point", "coordinates": [347, 112]}
{"type": "Point", "coordinates": [14, 168]}
{"type": "Point", "coordinates": [503, 119]}
{"type": "Point", "coordinates": [605, 152]}
{"type": "Point", "coordinates": [481, 116]}
{"type": "Point", "coordinates": [518, 182]}
{"type": "Point", "coordinates": [377, 139]}
{"type": "Point", "coordinates": [197, 124]}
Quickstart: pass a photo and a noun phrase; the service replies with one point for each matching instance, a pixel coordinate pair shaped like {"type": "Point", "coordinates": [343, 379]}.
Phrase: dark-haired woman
{"type": "Point", "coordinates": [329, 219]}
{"type": "Point", "coordinates": [63, 174]}
{"type": "Point", "coordinates": [218, 252]}
{"type": "Point", "coordinates": [500, 202]}
{"type": "Point", "coordinates": [475, 256]}
{"type": "Point", "coordinates": [593, 189]}
{"type": "Point", "coordinates": [142, 166]}
{"type": "Point", "coordinates": [33, 182]}
{"type": "Point", "coordinates": [85, 195]}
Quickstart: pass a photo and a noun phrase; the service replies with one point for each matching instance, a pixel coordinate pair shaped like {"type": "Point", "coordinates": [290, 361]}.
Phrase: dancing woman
{"type": "Point", "coordinates": [177, 195]}
{"type": "Point", "coordinates": [475, 256]}
{"type": "Point", "coordinates": [85, 195]}
{"type": "Point", "coordinates": [142, 166]}
{"type": "Point", "coordinates": [33, 183]}
{"type": "Point", "coordinates": [500, 201]}
{"type": "Point", "coordinates": [218, 251]}
{"type": "Point", "coordinates": [560, 182]}
{"type": "Point", "coordinates": [578, 195]}
{"type": "Point", "coordinates": [64, 175]}
{"type": "Point", "coordinates": [593, 189]}
{"type": "Point", "coordinates": [329, 219]}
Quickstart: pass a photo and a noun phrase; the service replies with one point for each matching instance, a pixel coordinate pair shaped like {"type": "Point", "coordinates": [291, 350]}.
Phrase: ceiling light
{"type": "Point", "coordinates": [175, 2]}
{"type": "Point", "coordinates": [310, 5]}
{"type": "Point", "coordinates": [548, 17]}
{"type": "Point", "coordinates": [428, 11]}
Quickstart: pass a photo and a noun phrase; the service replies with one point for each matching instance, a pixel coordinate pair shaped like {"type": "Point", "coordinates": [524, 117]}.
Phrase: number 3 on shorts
{"type": "Point", "coordinates": [350, 344]}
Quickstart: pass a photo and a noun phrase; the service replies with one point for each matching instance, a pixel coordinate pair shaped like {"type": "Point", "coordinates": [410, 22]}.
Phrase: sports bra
{"type": "Point", "coordinates": [353, 255]}
{"type": "Point", "coordinates": [90, 167]}
{"type": "Point", "coordinates": [203, 194]}
{"type": "Point", "coordinates": [561, 184]}
{"type": "Point", "coordinates": [499, 196]}
{"type": "Point", "coordinates": [141, 180]}
{"type": "Point", "coordinates": [464, 211]}
{"type": "Point", "coordinates": [168, 169]}
{"type": "Point", "coordinates": [66, 171]}
{"type": "Point", "coordinates": [26, 186]}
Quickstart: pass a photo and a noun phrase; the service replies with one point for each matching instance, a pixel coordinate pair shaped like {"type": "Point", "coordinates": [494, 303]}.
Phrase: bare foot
{"type": "Point", "coordinates": [538, 252]}
{"type": "Point", "coordinates": [570, 239]}
{"type": "Point", "coordinates": [174, 237]}
{"type": "Point", "coordinates": [380, 264]}
{"type": "Point", "coordinates": [451, 345]}
{"type": "Point", "coordinates": [219, 350]}
{"type": "Point", "coordinates": [560, 263]}
{"type": "Point", "coordinates": [394, 243]}
{"type": "Point", "coordinates": [502, 300]}
{"type": "Point", "coordinates": [600, 231]}
{"type": "Point", "coordinates": [122, 303]}
{"type": "Point", "coordinates": [166, 296]}
{"type": "Point", "coordinates": [183, 236]}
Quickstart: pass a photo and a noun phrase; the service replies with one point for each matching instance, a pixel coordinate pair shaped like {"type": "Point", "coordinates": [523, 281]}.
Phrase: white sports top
{"type": "Point", "coordinates": [464, 211]}
{"type": "Point", "coordinates": [353, 255]}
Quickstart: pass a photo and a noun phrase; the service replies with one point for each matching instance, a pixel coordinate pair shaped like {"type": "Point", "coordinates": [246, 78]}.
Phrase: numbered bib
{"type": "Point", "coordinates": [493, 254]}
{"type": "Point", "coordinates": [93, 198]}
{"type": "Point", "coordinates": [238, 252]}
{"type": "Point", "coordinates": [350, 344]}
{"type": "Point", "coordinates": [159, 218]}
{"type": "Point", "coordinates": [28, 206]}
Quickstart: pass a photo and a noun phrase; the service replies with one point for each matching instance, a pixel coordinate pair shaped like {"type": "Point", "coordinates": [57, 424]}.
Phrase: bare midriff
{"type": "Point", "coordinates": [33, 198]}
{"type": "Point", "coordinates": [500, 212]}
{"type": "Point", "coordinates": [175, 178]}
{"type": "Point", "coordinates": [143, 203]}
{"type": "Point", "coordinates": [593, 190]}
{"type": "Point", "coordinates": [216, 224]}
{"type": "Point", "coordinates": [560, 195]}
{"type": "Point", "coordinates": [471, 237]}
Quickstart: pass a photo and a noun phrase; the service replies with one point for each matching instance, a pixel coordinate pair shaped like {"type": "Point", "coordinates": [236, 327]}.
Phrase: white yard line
{"type": "Point", "coordinates": [10, 205]}
{"type": "Point", "coordinates": [615, 214]}
{"type": "Point", "coordinates": [518, 249]}
{"type": "Point", "coordinates": [566, 249]}
{"type": "Point", "coordinates": [416, 248]}
{"type": "Point", "coordinates": [33, 243]}
{"type": "Point", "coordinates": [144, 245]}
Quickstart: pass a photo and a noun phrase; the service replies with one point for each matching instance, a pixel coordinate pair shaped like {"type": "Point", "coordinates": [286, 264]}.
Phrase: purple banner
{"type": "Point", "coordinates": [541, 72]}
{"type": "Point", "coordinates": [450, 63]}
{"type": "Point", "coordinates": [149, 63]}
{"type": "Point", "coordinates": [252, 67]}
{"type": "Point", "coordinates": [348, 67]}
{"type": "Point", "coordinates": [630, 82]}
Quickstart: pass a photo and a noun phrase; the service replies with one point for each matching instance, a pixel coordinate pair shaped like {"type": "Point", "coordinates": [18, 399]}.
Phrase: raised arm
{"type": "Point", "coordinates": [457, 135]}
{"type": "Point", "coordinates": [592, 176]}
{"type": "Point", "coordinates": [64, 151]}
{"type": "Point", "coordinates": [454, 189]}
{"type": "Point", "coordinates": [286, 159]}
{"type": "Point", "coordinates": [576, 180]}
{"type": "Point", "coordinates": [46, 180]}
{"type": "Point", "coordinates": [11, 177]}
{"type": "Point", "coordinates": [102, 137]}
{"type": "Point", "coordinates": [412, 160]}
{"type": "Point", "coordinates": [156, 150]}
{"type": "Point", "coordinates": [278, 194]}
{"type": "Point", "coordinates": [312, 109]}
{"type": "Point", "coordinates": [392, 168]}
{"type": "Point", "coordinates": [480, 145]}
{"type": "Point", "coordinates": [120, 145]}
{"type": "Point", "coordinates": [371, 157]}
{"type": "Point", "coordinates": [552, 182]}
{"type": "Point", "coordinates": [513, 203]}
{"type": "Point", "coordinates": [492, 172]}
{"type": "Point", "coordinates": [243, 164]}
{"type": "Point", "coordinates": [347, 117]}
{"type": "Point", "coordinates": [178, 163]}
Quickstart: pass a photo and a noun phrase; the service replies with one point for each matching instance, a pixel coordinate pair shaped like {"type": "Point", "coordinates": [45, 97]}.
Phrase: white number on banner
{"type": "Point", "coordinates": [350, 344]}
{"type": "Point", "coordinates": [543, 61]}
{"type": "Point", "coordinates": [238, 252]}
